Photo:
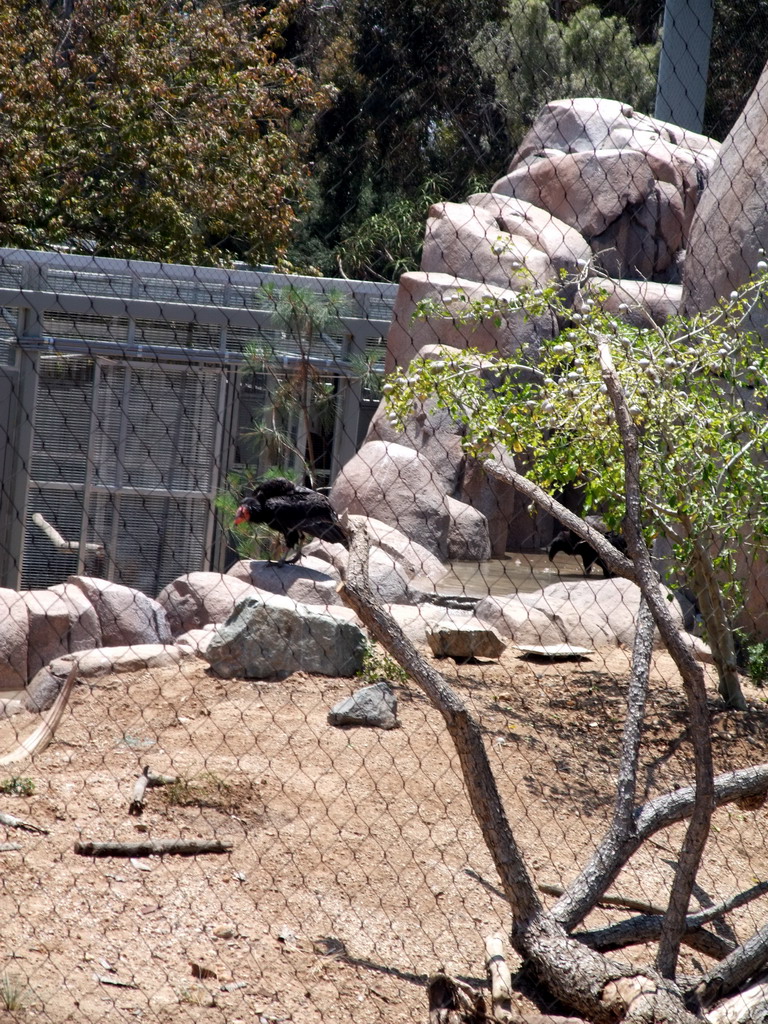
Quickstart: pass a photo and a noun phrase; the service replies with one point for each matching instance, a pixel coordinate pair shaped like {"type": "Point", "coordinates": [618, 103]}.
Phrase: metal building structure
{"type": "Point", "coordinates": [121, 387]}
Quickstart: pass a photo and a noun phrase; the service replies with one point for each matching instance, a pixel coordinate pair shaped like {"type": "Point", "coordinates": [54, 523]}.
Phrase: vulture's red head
{"type": "Point", "coordinates": [243, 515]}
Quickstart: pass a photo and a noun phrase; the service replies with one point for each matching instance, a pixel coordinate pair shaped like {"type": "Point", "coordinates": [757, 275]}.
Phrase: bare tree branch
{"type": "Point", "coordinates": [735, 969]}
{"type": "Point", "coordinates": [600, 988]}
{"type": "Point", "coordinates": [604, 866]}
{"type": "Point", "coordinates": [693, 679]}
{"type": "Point", "coordinates": [647, 928]}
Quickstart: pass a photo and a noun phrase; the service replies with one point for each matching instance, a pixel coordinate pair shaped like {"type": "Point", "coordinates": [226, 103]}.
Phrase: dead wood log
{"type": "Point", "coordinates": [136, 806]}
{"type": "Point", "coordinates": [625, 902]}
{"type": "Point", "coordinates": [748, 1007]}
{"type": "Point", "coordinates": [647, 928]}
{"type": "Point", "coordinates": [452, 1001]}
{"type": "Point", "coordinates": [154, 848]}
{"type": "Point", "coordinates": [156, 779]}
{"type": "Point", "coordinates": [726, 977]}
{"type": "Point", "coordinates": [147, 780]}
{"type": "Point", "coordinates": [500, 979]}
{"type": "Point", "coordinates": [11, 821]}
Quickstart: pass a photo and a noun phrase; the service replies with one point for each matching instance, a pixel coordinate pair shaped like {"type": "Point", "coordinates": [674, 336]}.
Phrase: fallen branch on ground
{"type": "Point", "coordinates": [11, 821]}
{"type": "Point", "coordinates": [38, 740]}
{"type": "Point", "coordinates": [154, 848]}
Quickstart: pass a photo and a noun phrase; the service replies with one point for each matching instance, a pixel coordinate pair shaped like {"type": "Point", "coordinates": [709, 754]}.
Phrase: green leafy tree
{"type": "Point", "coordinates": [168, 131]}
{"type": "Point", "coordinates": [696, 391]}
{"type": "Point", "coordinates": [430, 101]}
{"type": "Point", "coordinates": [534, 59]}
{"type": "Point", "coordinates": [413, 121]}
{"type": "Point", "coordinates": [298, 380]}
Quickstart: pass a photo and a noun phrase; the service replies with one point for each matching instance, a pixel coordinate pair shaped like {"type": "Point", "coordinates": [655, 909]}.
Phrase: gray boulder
{"type": "Point", "coordinates": [504, 508]}
{"type": "Point", "coordinates": [408, 336]}
{"type": "Point", "coordinates": [589, 123]}
{"type": "Point", "coordinates": [437, 437]}
{"type": "Point", "coordinates": [586, 613]}
{"type": "Point", "coordinates": [628, 182]}
{"type": "Point", "coordinates": [565, 246]}
{"type": "Point", "coordinates": [198, 598]}
{"type": "Point", "coordinates": [640, 303]}
{"type": "Point", "coordinates": [397, 485]}
{"type": "Point", "coordinates": [465, 641]}
{"type": "Point", "coordinates": [126, 616]}
{"type": "Point", "coordinates": [84, 628]}
{"type": "Point", "coordinates": [731, 222]}
{"type": "Point", "coordinates": [372, 706]}
{"type": "Point", "coordinates": [644, 241]}
{"type": "Point", "coordinates": [14, 640]}
{"type": "Point", "coordinates": [398, 568]}
{"type": "Point", "coordinates": [467, 242]}
{"type": "Point", "coordinates": [588, 190]}
{"type": "Point", "coordinates": [418, 620]}
{"type": "Point", "coordinates": [430, 431]}
{"type": "Point", "coordinates": [309, 581]}
{"type": "Point", "coordinates": [196, 640]}
{"type": "Point", "coordinates": [49, 623]}
{"type": "Point", "coordinates": [45, 685]}
{"type": "Point", "coordinates": [271, 639]}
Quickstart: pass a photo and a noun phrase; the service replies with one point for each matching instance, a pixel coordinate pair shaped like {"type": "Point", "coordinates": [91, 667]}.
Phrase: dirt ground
{"type": "Point", "coordinates": [356, 867]}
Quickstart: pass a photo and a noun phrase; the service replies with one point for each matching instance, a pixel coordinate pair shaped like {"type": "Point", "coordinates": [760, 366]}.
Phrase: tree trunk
{"type": "Point", "coordinates": [603, 990]}
{"type": "Point", "coordinates": [719, 632]}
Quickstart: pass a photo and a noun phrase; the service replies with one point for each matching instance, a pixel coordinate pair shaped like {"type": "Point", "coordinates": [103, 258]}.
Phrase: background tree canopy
{"type": "Point", "coordinates": [215, 130]}
{"type": "Point", "coordinates": [167, 131]}
{"type": "Point", "coordinates": [432, 100]}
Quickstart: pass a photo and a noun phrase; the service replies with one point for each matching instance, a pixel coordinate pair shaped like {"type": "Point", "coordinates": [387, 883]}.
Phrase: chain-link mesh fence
{"type": "Point", "coordinates": [391, 616]}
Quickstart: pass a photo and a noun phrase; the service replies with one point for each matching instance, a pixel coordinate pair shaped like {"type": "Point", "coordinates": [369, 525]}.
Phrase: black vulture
{"type": "Point", "coordinates": [572, 544]}
{"type": "Point", "coordinates": [295, 511]}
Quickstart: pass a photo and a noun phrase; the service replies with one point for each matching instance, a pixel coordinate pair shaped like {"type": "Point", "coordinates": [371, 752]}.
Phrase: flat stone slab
{"type": "Point", "coordinates": [465, 641]}
{"type": "Point", "coordinates": [555, 652]}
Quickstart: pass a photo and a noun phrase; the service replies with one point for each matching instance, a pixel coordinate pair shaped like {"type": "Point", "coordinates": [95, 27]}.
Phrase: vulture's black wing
{"type": "Point", "coordinates": [301, 510]}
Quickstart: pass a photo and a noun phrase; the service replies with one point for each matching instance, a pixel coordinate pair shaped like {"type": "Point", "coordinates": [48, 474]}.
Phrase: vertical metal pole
{"type": "Point", "coordinates": [29, 324]}
{"type": "Point", "coordinates": [219, 460]}
{"type": "Point", "coordinates": [115, 487]}
{"type": "Point", "coordinates": [350, 399]}
{"type": "Point", "coordinates": [681, 90]}
{"type": "Point", "coordinates": [29, 363]}
{"type": "Point", "coordinates": [89, 468]}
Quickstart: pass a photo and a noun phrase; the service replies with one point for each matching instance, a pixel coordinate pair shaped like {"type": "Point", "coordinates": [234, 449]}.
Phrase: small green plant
{"type": "Point", "coordinates": [757, 662]}
{"type": "Point", "coordinates": [12, 993]}
{"type": "Point", "coordinates": [378, 665]}
{"type": "Point", "coordinates": [208, 790]}
{"type": "Point", "coordinates": [17, 785]}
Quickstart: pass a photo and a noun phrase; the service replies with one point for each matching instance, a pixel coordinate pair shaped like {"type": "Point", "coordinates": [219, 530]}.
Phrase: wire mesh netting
{"type": "Point", "coordinates": [383, 598]}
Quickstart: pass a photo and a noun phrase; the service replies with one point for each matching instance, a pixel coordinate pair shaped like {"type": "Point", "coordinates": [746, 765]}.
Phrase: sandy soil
{"type": "Point", "coordinates": [357, 868]}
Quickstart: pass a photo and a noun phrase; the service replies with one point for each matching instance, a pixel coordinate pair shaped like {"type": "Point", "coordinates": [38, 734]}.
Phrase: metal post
{"type": "Point", "coordinates": [681, 89]}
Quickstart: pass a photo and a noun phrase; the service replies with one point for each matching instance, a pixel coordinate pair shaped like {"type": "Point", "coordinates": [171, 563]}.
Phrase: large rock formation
{"type": "Point", "coordinates": [399, 484]}
{"type": "Point", "coordinates": [731, 222]}
{"type": "Point", "coordinates": [596, 192]}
